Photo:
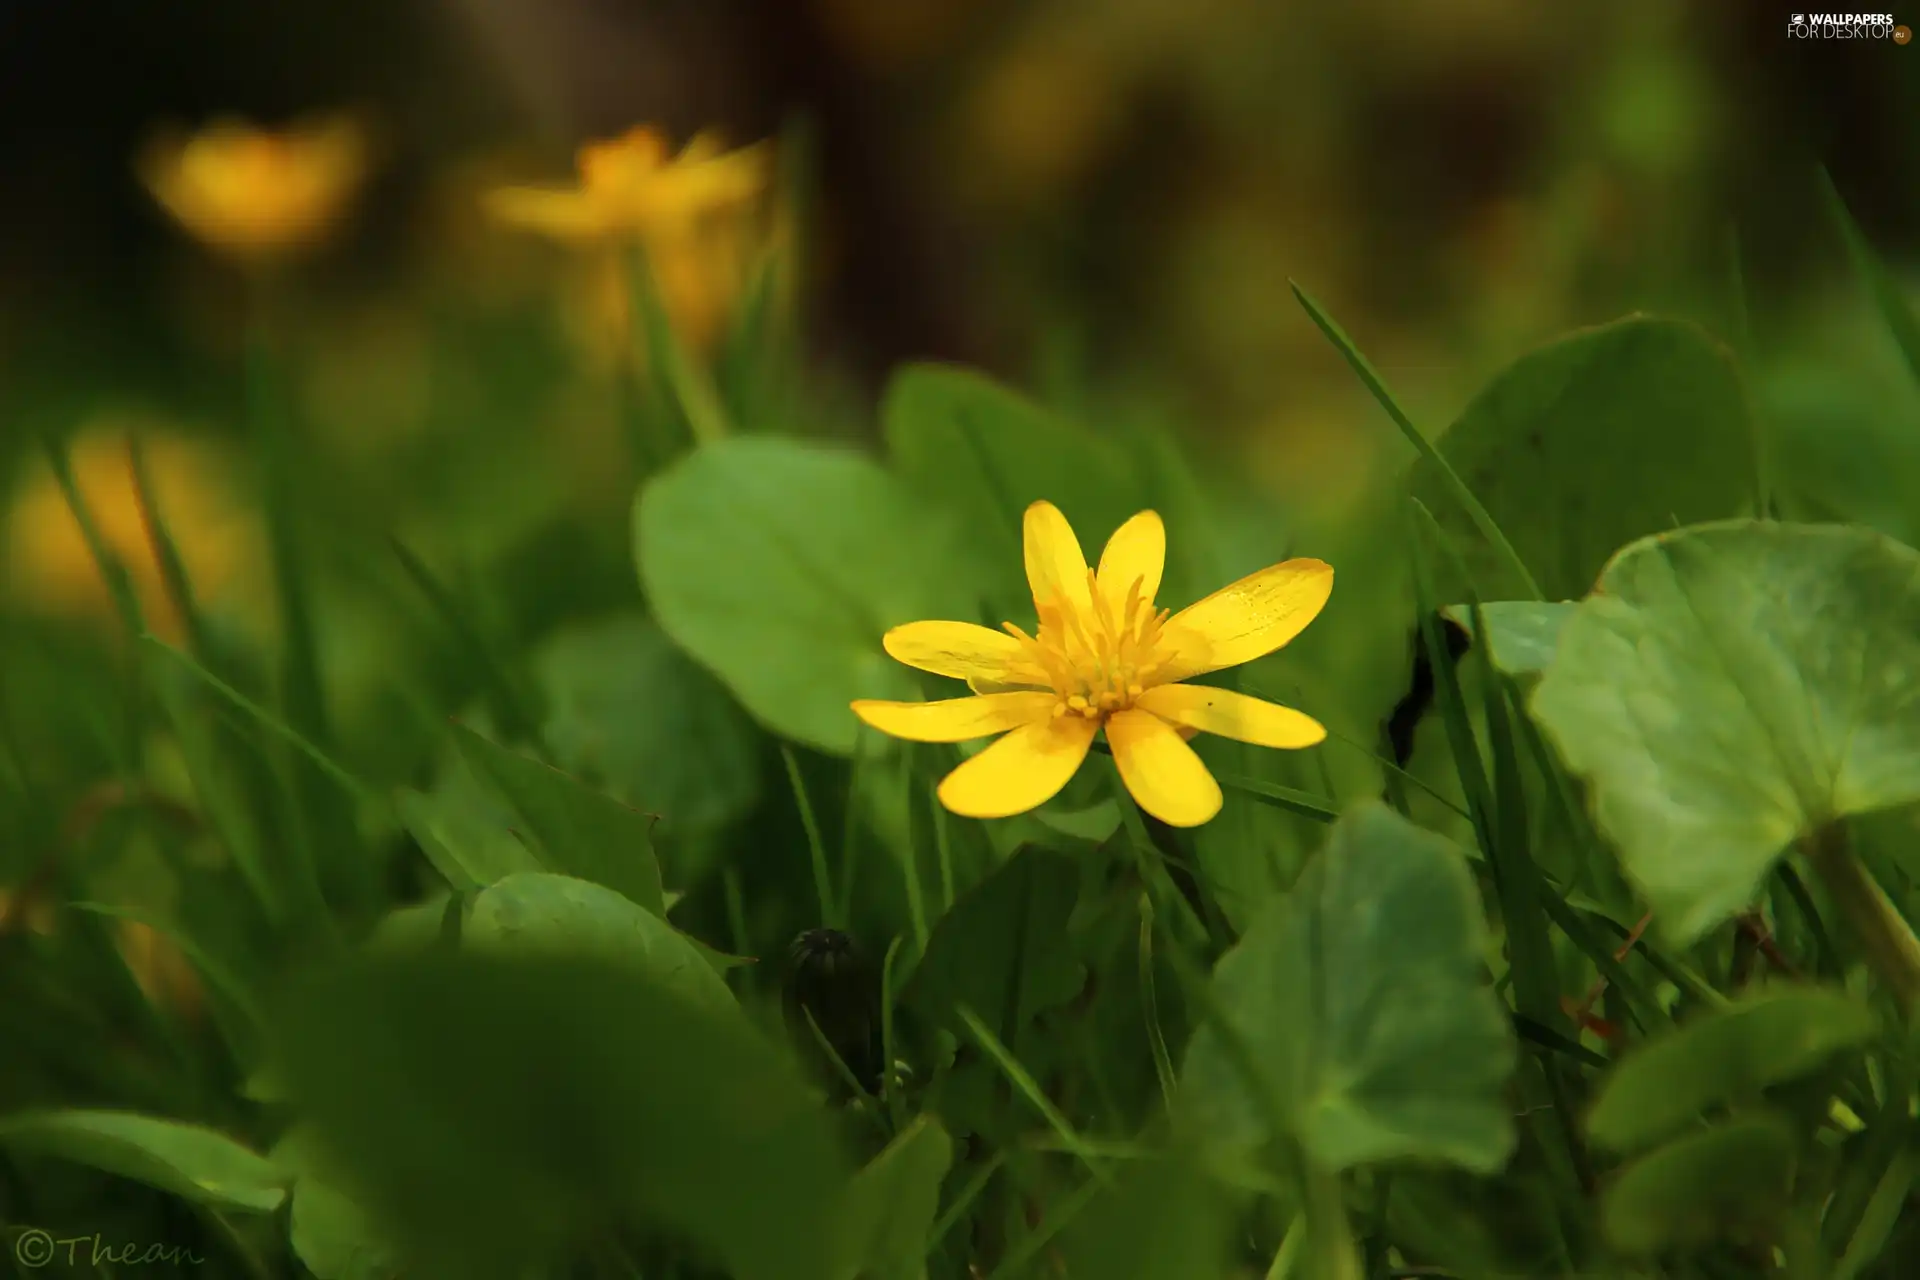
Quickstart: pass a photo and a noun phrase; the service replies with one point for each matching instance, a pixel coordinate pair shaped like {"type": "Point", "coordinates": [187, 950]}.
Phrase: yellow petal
{"type": "Point", "coordinates": [962, 650]}
{"type": "Point", "coordinates": [1022, 771]}
{"type": "Point", "coordinates": [1137, 551]}
{"type": "Point", "coordinates": [956, 719]}
{"type": "Point", "coordinates": [1056, 567]}
{"type": "Point", "coordinates": [1232, 715]}
{"type": "Point", "coordinates": [1161, 770]}
{"type": "Point", "coordinates": [980, 685]}
{"type": "Point", "coordinates": [1248, 619]}
{"type": "Point", "coordinates": [565, 214]}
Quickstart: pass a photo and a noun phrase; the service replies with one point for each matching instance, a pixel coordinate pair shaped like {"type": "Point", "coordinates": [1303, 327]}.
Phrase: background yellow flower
{"type": "Point", "coordinates": [50, 565]}
{"type": "Point", "coordinates": [258, 193]}
{"type": "Point", "coordinates": [701, 219]}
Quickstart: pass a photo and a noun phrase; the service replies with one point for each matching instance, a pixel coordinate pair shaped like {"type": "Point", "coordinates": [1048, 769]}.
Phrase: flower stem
{"type": "Point", "coordinates": [1883, 934]}
{"type": "Point", "coordinates": [1329, 1238]}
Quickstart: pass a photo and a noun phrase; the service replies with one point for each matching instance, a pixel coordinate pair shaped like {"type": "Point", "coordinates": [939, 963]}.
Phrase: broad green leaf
{"type": "Point", "coordinates": [185, 1159]}
{"type": "Point", "coordinates": [1848, 448]}
{"type": "Point", "coordinates": [779, 565]}
{"type": "Point", "coordinates": [413, 928]}
{"type": "Point", "coordinates": [987, 451]}
{"type": "Point", "coordinates": [634, 714]}
{"type": "Point", "coordinates": [333, 1237]}
{"type": "Point", "coordinates": [893, 1202]}
{"type": "Point", "coordinates": [1524, 633]}
{"type": "Point", "coordinates": [1361, 1000]}
{"type": "Point", "coordinates": [1164, 1220]}
{"type": "Point", "coordinates": [1734, 686]}
{"type": "Point", "coordinates": [577, 830]}
{"type": "Point", "coordinates": [496, 1111]}
{"type": "Point", "coordinates": [457, 829]}
{"type": "Point", "coordinates": [1732, 1180]}
{"type": "Point", "coordinates": [1600, 437]}
{"type": "Point", "coordinates": [1006, 934]}
{"type": "Point", "coordinates": [1723, 1056]}
{"type": "Point", "coordinates": [533, 912]}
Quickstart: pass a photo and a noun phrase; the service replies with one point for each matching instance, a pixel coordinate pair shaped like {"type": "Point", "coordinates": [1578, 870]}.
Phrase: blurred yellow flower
{"type": "Point", "coordinates": [1102, 658]}
{"type": "Point", "coordinates": [26, 912]}
{"type": "Point", "coordinates": [50, 564]}
{"type": "Point", "coordinates": [692, 214]}
{"type": "Point", "coordinates": [164, 975]}
{"type": "Point", "coordinates": [258, 194]}
{"type": "Point", "coordinates": [630, 185]}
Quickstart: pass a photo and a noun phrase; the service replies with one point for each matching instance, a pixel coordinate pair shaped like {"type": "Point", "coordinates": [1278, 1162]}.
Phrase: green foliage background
{"type": "Point", "coordinates": [500, 824]}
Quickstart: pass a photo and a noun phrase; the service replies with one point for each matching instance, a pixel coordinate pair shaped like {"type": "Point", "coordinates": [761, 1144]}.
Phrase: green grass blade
{"type": "Point", "coordinates": [1378, 388]}
{"type": "Point", "coordinates": [669, 360]}
{"type": "Point", "coordinates": [510, 704]}
{"type": "Point", "coordinates": [301, 699]}
{"type": "Point", "coordinates": [1896, 311]}
{"type": "Point", "coordinates": [166, 553]}
{"type": "Point", "coordinates": [1029, 1088]}
{"type": "Point", "coordinates": [266, 719]}
{"type": "Point", "coordinates": [1740, 324]}
{"type": "Point", "coordinates": [816, 846]}
{"type": "Point", "coordinates": [222, 979]}
{"type": "Point", "coordinates": [1529, 947]}
{"type": "Point", "coordinates": [119, 583]}
{"type": "Point", "coordinates": [1448, 696]}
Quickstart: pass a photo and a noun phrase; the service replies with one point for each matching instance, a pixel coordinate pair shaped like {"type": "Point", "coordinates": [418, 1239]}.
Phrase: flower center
{"type": "Point", "coordinates": [1098, 661]}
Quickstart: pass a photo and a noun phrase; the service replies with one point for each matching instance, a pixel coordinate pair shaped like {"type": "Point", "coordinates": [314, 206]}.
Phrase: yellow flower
{"type": "Point", "coordinates": [255, 193]}
{"type": "Point", "coordinates": [631, 186]}
{"type": "Point", "coordinates": [51, 565]}
{"type": "Point", "coordinates": [1102, 658]}
{"type": "Point", "coordinates": [690, 213]}
{"type": "Point", "coordinates": [165, 976]}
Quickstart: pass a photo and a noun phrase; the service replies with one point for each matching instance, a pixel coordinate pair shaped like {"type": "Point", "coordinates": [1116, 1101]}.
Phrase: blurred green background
{"type": "Point", "coordinates": [1100, 201]}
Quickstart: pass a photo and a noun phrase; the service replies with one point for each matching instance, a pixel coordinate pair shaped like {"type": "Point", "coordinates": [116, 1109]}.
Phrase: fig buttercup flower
{"type": "Point", "coordinates": [1104, 659]}
{"type": "Point", "coordinates": [631, 185]}
{"type": "Point", "coordinates": [691, 213]}
{"type": "Point", "coordinates": [50, 565]}
{"type": "Point", "coordinates": [258, 194]}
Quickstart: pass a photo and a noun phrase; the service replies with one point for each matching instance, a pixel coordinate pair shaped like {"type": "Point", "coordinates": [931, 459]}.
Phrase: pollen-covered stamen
{"type": "Point", "coordinates": [1097, 661]}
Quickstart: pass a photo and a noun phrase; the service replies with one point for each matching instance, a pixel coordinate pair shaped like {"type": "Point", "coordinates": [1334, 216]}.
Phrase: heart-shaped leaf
{"type": "Point", "coordinates": [1360, 1002]}
{"type": "Point", "coordinates": [1732, 687]}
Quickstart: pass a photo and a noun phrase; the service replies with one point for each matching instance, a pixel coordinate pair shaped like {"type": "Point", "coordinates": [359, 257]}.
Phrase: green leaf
{"type": "Point", "coordinates": [497, 1111]}
{"type": "Point", "coordinates": [1165, 1220]}
{"type": "Point", "coordinates": [577, 830]}
{"type": "Point", "coordinates": [1895, 309]}
{"type": "Point", "coordinates": [534, 912]}
{"type": "Point", "coordinates": [779, 565]}
{"type": "Point", "coordinates": [1849, 448]}
{"type": "Point", "coordinates": [1361, 1000]}
{"type": "Point", "coordinates": [893, 1202]}
{"type": "Point", "coordinates": [1006, 935]}
{"type": "Point", "coordinates": [987, 451]}
{"type": "Point", "coordinates": [1731, 687]}
{"type": "Point", "coordinates": [187, 1160]}
{"type": "Point", "coordinates": [413, 928]}
{"type": "Point", "coordinates": [1524, 633]}
{"type": "Point", "coordinates": [333, 1237]}
{"type": "Point", "coordinates": [456, 832]}
{"type": "Point", "coordinates": [1736, 1179]}
{"type": "Point", "coordinates": [1724, 1056]}
{"type": "Point", "coordinates": [1600, 437]}
{"type": "Point", "coordinates": [633, 713]}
